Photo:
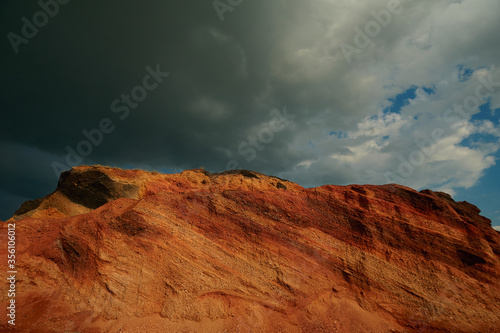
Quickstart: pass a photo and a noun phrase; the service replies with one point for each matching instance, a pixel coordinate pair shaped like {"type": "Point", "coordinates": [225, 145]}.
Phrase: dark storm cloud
{"type": "Point", "coordinates": [64, 79]}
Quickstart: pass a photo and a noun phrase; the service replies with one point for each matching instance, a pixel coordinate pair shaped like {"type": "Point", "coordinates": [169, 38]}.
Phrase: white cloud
{"type": "Point", "coordinates": [422, 47]}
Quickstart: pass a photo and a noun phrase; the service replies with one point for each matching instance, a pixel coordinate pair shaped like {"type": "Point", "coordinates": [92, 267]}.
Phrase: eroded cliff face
{"type": "Point", "coordinates": [116, 250]}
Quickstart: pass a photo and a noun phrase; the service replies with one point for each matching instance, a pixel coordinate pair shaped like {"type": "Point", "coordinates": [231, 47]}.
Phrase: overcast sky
{"type": "Point", "coordinates": [318, 91]}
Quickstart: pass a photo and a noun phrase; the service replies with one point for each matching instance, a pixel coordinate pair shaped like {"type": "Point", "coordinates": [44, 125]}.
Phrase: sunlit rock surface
{"type": "Point", "coordinates": [116, 250]}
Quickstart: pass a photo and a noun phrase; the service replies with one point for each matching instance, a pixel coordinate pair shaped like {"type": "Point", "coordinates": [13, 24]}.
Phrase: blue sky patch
{"type": "Point", "coordinates": [402, 99]}
{"type": "Point", "coordinates": [339, 135]}
{"type": "Point", "coordinates": [464, 73]}
{"type": "Point", "coordinates": [485, 194]}
{"type": "Point", "coordinates": [472, 140]}
{"type": "Point", "coordinates": [486, 114]}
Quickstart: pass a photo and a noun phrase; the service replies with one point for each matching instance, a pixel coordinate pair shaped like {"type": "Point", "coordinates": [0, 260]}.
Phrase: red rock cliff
{"type": "Point", "coordinates": [116, 250]}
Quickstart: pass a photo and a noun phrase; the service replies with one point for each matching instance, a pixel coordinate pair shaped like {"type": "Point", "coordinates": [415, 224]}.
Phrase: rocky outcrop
{"type": "Point", "coordinates": [116, 250]}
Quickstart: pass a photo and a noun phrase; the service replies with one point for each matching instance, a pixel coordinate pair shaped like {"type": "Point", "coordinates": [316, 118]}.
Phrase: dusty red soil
{"type": "Point", "coordinates": [131, 251]}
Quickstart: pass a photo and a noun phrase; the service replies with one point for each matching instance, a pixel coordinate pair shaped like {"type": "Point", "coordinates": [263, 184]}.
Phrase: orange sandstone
{"type": "Point", "coordinates": [116, 250]}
